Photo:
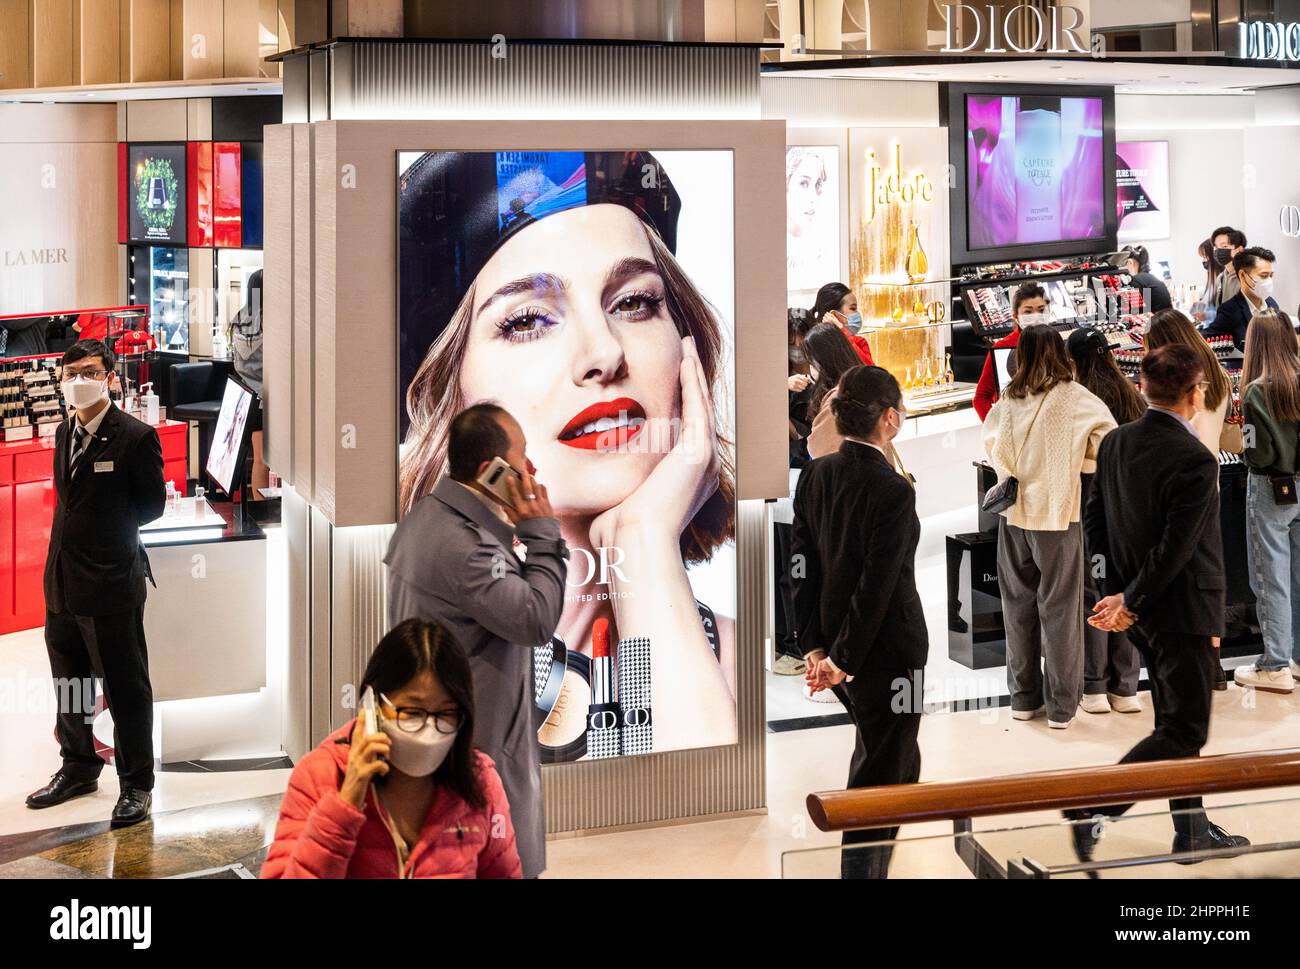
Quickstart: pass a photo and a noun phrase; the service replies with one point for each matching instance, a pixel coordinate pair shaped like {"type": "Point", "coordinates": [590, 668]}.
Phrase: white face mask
{"type": "Point", "coordinates": [83, 393]}
{"type": "Point", "coordinates": [1035, 319]}
{"type": "Point", "coordinates": [1263, 288]}
{"type": "Point", "coordinates": [417, 754]}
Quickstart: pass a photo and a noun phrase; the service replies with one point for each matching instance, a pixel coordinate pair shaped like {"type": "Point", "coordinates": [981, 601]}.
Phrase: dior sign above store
{"type": "Point", "coordinates": [1023, 29]}
{"type": "Point", "coordinates": [1266, 41]}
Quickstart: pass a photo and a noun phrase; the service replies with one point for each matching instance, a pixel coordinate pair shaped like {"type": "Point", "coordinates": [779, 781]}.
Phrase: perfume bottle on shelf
{"type": "Point", "coordinates": [917, 265]}
{"type": "Point", "coordinates": [949, 378]}
{"type": "Point", "coordinates": [907, 378]}
{"type": "Point", "coordinates": [896, 311]}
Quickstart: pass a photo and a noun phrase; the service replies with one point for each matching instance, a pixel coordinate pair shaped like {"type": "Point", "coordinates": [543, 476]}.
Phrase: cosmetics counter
{"type": "Point", "coordinates": [1087, 291]}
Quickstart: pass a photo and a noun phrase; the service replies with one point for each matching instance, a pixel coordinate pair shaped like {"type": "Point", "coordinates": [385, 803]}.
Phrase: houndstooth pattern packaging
{"type": "Point", "coordinates": [635, 694]}
{"type": "Point", "coordinates": [603, 740]}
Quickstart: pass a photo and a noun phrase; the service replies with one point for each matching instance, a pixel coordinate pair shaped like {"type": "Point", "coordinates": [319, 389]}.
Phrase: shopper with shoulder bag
{"type": "Point", "coordinates": [1041, 435]}
{"type": "Point", "coordinates": [1271, 403]}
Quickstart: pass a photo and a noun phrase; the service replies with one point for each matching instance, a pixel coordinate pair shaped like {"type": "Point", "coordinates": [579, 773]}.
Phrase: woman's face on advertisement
{"type": "Point", "coordinates": [803, 194]}
{"type": "Point", "coordinates": [570, 333]}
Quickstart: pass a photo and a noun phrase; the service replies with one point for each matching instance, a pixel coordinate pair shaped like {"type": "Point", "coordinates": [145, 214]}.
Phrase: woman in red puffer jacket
{"type": "Point", "coordinates": [413, 799]}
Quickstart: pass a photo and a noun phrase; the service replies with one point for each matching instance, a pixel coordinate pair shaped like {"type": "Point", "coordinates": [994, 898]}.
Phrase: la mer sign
{"type": "Point", "coordinates": [34, 257]}
{"type": "Point", "coordinates": [993, 31]}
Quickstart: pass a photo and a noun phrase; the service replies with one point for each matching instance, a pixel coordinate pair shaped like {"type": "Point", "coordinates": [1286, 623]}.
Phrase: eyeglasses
{"type": "Point", "coordinates": [413, 719]}
{"type": "Point", "coordinates": [84, 374]}
{"type": "Point", "coordinates": [1205, 386]}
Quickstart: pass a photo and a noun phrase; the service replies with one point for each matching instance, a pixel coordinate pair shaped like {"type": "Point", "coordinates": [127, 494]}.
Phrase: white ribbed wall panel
{"type": "Point", "coordinates": [464, 81]}
{"type": "Point", "coordinates": [360, 607]}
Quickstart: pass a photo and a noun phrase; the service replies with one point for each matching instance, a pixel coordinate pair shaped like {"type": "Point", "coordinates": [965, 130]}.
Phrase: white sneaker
{"type": "Point", "coordinates": [1060, 724]}
{"type": "Point", "coordinates": [1028, 714]}
{"type": "Point", "coordinates": [1124, 704]}
{"type": "Point", "coordinates": [1295, 668]}
{"type": "Point", "coordinates": [1270, 681]}
{"type": "Point", "coordinates": [1095, 703]}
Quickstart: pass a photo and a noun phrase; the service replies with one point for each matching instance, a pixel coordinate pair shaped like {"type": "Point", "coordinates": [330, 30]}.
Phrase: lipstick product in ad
{"type": "Point", "coordinates": [634, 694]}
{"type": "Point", "coordinates": [603, 714]}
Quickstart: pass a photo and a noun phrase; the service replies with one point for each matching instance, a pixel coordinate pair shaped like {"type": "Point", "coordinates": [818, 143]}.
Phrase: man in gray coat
{"type": "Point", "coordinates": [452, 561]}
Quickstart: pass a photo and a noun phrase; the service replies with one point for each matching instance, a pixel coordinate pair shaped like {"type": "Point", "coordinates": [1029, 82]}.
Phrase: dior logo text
{"type": "Point", "coordinates": [636, 717]}
{"type": "Point", "coordinates": [1289, 221]}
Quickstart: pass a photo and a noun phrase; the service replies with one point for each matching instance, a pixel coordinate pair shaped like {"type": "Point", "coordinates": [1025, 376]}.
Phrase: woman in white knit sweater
{"type": "Point", "coordinates": [1044, 431]}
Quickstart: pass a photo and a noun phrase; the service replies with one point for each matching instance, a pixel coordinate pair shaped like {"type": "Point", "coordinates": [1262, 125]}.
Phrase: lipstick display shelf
{"type": "Point", "coordinates": [30, 403]}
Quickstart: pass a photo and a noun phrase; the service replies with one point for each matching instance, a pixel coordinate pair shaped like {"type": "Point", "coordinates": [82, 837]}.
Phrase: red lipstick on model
{"type": "Point", "coordinates": [606, 426]}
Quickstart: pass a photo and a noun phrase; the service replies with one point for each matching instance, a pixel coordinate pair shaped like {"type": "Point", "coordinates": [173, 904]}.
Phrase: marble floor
{"type": "Point", "coordinates": [206, 819]}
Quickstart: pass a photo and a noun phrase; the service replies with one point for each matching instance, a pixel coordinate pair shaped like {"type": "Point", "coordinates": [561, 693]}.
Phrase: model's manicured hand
{"type": "Point", "coordinates": [673, 492]}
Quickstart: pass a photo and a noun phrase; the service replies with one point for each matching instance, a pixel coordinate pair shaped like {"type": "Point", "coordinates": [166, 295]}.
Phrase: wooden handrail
{"type": "Point", "coordinates": [1052, 790]}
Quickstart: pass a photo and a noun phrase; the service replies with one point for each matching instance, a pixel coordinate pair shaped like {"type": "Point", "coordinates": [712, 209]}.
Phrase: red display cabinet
{"type": "Point", "coordinates": [27, 513]}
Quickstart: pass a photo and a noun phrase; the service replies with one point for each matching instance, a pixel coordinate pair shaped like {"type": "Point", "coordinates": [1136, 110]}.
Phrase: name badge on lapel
{"type": "Point", "coordinates": [103, 466]}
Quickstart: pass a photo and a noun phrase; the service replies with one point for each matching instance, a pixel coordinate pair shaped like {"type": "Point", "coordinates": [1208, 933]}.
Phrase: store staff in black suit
{"type": "Point", "coordinates": [858, 612]}
{"type": "Point", "coordinates": [108, 478]}
{"type": "Point", "coordinates": [1254, 267]}
{"type": "Point", "coordinates": [1152, 532]}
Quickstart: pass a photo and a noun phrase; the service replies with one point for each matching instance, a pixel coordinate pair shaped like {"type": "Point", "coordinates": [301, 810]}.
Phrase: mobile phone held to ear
{"type": "Point", "coordinates": [368, 715]}
{"type": "Point", "coordinates": [494, 478]}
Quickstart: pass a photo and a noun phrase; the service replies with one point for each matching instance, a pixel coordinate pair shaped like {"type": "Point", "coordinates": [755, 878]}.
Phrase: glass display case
{"type": "Point", "coordinates": [169, 275]}
{"type": "Point", "coordinates": [908, 329]}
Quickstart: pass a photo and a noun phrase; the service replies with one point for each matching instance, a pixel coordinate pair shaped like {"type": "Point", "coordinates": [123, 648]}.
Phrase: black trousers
{"type": "Point", "coordinates": [111, 649]}
{"type": "Point", "coordinates": [787, 640]}
{"type": "Point", "coordinates": [887, 717]}
{"type": "Point", "coordinates": [1181, 670]}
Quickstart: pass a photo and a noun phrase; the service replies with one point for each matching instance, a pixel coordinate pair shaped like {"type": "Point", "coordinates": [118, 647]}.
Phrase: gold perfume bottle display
{"type": "Point", "coordinates": [917, 265]}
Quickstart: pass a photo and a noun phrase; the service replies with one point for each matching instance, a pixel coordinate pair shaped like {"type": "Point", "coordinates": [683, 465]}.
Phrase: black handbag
{"type": "Point", "coordinates": [1006, 492]}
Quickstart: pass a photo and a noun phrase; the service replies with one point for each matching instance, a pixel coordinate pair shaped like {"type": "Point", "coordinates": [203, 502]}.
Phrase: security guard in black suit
{"type": "Point", "coordinates": [108, 478]}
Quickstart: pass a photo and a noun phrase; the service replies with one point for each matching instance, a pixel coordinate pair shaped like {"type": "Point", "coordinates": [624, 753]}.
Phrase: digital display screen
{"type": "Point", "coordinates": [591, 294]}
{"type": "Point", "coordinates": [228, 436]}
{"type": "Point", "coordinates": [1142, 190]}
{"type": "Point", "coordinates": [1035, 167]}
{"type": "Point", "coordinates": [156, 203]}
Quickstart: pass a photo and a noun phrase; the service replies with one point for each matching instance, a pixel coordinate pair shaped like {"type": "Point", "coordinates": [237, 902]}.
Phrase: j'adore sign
{"type": "Point", "coordinates": [889, 186]}
{"type": "Point", "coordinates": [1055, 31]}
